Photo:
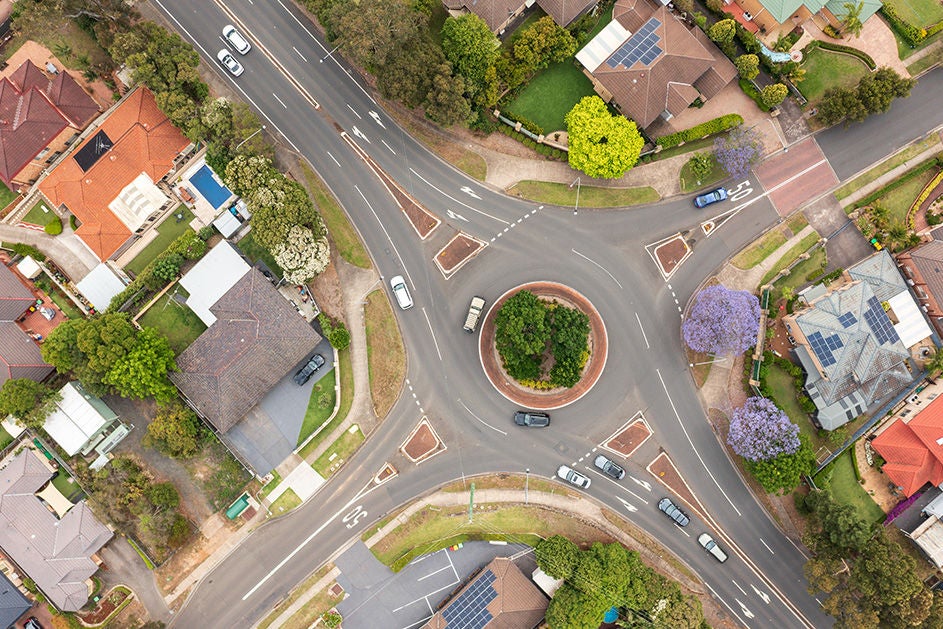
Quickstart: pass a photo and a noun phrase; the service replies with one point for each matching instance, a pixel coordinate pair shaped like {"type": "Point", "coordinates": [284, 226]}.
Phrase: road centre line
{"type": "Point", "coordinates": [353, 110]}
{"type": "Point", "coordinates": [644, 336]}
{"type": "Point", "coordinates": [767, 547]}
{"type": "Point", "coordinates": [280, 102]}
{"type": "Point", "coordinates": [604, 270]}
{"type": "Point", "coordinates": [480, 419]}
{"type": "Point", "coordinates": [431, 331]}
{"type": "Point", "coordinates": [450, 197]}
{"type": "Point", "coordinates": [299, 54]}
{"type": "Point", "coordinates": [395, 250]}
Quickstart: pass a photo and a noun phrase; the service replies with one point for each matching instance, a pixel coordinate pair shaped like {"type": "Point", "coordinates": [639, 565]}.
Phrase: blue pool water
{"type": "Point", "coordinates": [203, 181]}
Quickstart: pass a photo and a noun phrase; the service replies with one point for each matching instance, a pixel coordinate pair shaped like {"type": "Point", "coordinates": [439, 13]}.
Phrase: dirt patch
{"type": "Point", "coordinates": [106, 606]}
{"type": "Point", "coordinates": [134, 615]}
{"type": "Point", "coordinates": [666, 473]}
{"type": "Point", "coordinates": [457, 252]}
{"type": "Point", "coordinates": [671, 253]}
{"type": "Point", "coordinates": [423, 443]}
{"type": "Point", "coordinates": [630, 439]}
{"type": "Point", "coordinates": [422, 221]}
{"type": "Point", "coordinates": [386, 357]}
{"type": "Point", "coordinates": [326, 288]}
{"type": "Point", "coordinates": [386, 473]}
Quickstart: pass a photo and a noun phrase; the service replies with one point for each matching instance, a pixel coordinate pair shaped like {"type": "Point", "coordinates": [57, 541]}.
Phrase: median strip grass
{"type": "Point", "coordinates": [386, 357]}
{"type": "Point", "coordinates": [792, 255]}
{"type": "Point", "coordinates": [760, 250]}
{"type": "Point", "coordinates": [341, 230]}
{"type": "Point", "coordinates": [590, 196]}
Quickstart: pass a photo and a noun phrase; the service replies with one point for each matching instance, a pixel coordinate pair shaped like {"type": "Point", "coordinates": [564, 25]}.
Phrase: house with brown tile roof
{"type": "Point", "coordinates": [19, 354]}
{"type": "Point", "coordinates": [258, 337]}
{"type": "Point", "coordinates": [39, 114]}
{"type": "Point", "coordinates": [498, 14]}
{"type": "Point", "coordinates": [58, 554]}
{"type": "Point", "coordinates": [923, 268]}
{"type": "Point", "coordinates": [650, 64]}
{"type": "Point", "coordinates": [109, 180]}
{"type": "Point", "coordinates": [913, 450]}
{"type": "Point", "coordinates": [498, 597]}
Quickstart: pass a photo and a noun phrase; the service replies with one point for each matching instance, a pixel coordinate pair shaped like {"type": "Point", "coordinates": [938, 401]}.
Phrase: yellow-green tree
{"type": "Point", "coordinates": [601, 145]}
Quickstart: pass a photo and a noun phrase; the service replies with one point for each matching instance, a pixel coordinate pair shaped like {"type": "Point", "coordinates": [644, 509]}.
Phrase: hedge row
{"type": "Point", "coordinates": [544, 149]}
{"type": "Point", "coordinates": [530, 125]}
{"type": "Point", "coordinates": [936, 162]}
{"type": "Point", "coordinates": [824, 45]}
{"type": "Point", "coordinates": [750, 90]}
{"type": "Point", "coordinates": [711, 127]}
{"type": "Point", "coordinates": [913, 34]}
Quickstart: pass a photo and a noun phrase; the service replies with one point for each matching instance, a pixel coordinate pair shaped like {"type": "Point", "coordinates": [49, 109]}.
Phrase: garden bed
{"type": "Point", "coordinates": [108, 605]}
{"type": "Point", "coordinates": [167, 231]}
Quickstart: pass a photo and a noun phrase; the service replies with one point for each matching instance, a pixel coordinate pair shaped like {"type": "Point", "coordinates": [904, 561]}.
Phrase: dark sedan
{"type": "Point", "coordinates": [304, 374]}
{"type": "Point", "coordinates": [533, 420]}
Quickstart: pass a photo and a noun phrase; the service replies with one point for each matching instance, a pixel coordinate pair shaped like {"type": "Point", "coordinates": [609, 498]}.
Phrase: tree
{"type": "Point", "coordinates": [406, 76]}
{"type": "Point", "coordinates": [851, 19]}
{"type": "Point", "coordinates": [370, 32]}
{"type": "Point", "coordinates": [470, 47]}
{"type": "Point", "coordinates": [168, 267]}
{"type": "Point", "coordinates": [556, 555]}
{"type": "Point", "coordinates": [722, 321]}
{"type": "Point", "coordinates": [90, 348]}
{"type": "Point", "coordinates": [785, 471]}
{"type": "Point", "coordinates": [142, 371]}
{"type": "Point", "coordinates": [738, 150]}
{"type": "Point", "coordinates": [29, 401]}
{"type": "Point", "coordinates": [840, 103]}
{"type": "Point", "coordinates": [522, 330]}
{"type": "Point", "coordinates": [748, 66]}
{"type": "Point", "coordinates": [569, 344]}
{"type": "Point", "coordinates": [601, 145]}
{"type": "Point", "coordinates": [774, 94]}
{"type": "Point", "coordinates": [278, 206]}
{"type": "Point", "coordinates": [760, 431]}
{"type": "Point", "coordinates": [933, 366]}
{"type": "Point", "coordinates": [877, 90]}
{"type": "Point", "coordinates": [300, 256]}
{"type": "Point", "coordinates": [245, 173]}
{"type": "Point", "coordinates": [571, 608]}
{"type": "Point", "coordinates": [175, 431]}
{"type": "Point", "coordinates": [542, 43]}
{"type": "Point", "coordinates": [722, 32]}
{"type": "Point", "coordinates": [446, 103]}
{"type": "Point", "coordinates": [701, 165]}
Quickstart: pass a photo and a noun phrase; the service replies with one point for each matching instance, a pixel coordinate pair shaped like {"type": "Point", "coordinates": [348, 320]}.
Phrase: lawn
{"type": "Point", "coordinates": [781, 385]}
{"type": "Point", "coordinates": [386, 357]}
{"type": "Point", "coordinates": [342, 449]}
{"type": "Point", "coordinates": [846, 488]}
{"type": "Point", "coordinates": [168, 231]}
{"type": "Point", "coordinates": [590, 196]}
{"type": "Point", "coordinates": [797, 278]}
{"type": "Point", "coordinates": [689, 183]}
{"type": "Point", "coordinates": [341, 230]}
{"type": "Point", "coordinates": [550, 95]}
{"type": "Point", "coordinates": [271, 485]}
{"type": "Point", "coordinates": [887, 166]}
{"type": "Point", "coordinates": [285, 503]}
{"type": "Point", "coordinates": [174, 320]}
{"type": "Point", "coordinates": [920, 13]}
{"type": "Point", "coordinates": [6, 195]}
{"type": "Point", "coordinates": [347, 399]}
{"type": "Point", "coordinates": [65, 484]}
{"type": "Point", "coordinates": [320, 405]}
{"type": "Point", "coordinates": [255, 252]}
{"type": "Point", "coordinates": [760, 250]}
{"type": "Point", "coordinates": [899, 200]}
{"type": "Point", "coordinates": [39, 214]}
{"type": "Point", "coordinates": [5, 438]}
{"type": "Point", "coordinates": [790, 256]}
{"type": "Point", "coordinates": [825, 69]}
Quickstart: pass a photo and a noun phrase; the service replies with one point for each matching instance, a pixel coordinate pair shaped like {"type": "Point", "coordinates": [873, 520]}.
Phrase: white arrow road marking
{"type": "Point", "coordinates": [628, 506]}
{"type": "Point", "coordinates": [470, 192]}
{"type": "Point", "coordinates": [376, 117]}
{"type": "Point", "coordinates": [642, 483]}
{"type": "Point", "coordinates": [761, 594]}
{"type": "Point", "coordinates": [744, 609]}
{"type": "Point", "coordinates": [360, 134]}
{"type": "Point", "coordinates": [456, 216]}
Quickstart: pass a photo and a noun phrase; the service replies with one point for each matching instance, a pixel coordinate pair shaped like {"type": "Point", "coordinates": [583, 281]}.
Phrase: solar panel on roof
{"type": "Point", "coordinates": [470, 609]}
{"type": "Point", "coordinates": [824, 348]}
{"type": "Point", "coordinates": [880, 323]}
{"type": "Point", "coordinates": [93, 150]}
{"type": "Point", "coordinates": [638, 47]}
{"type": "Point", "coordinates": [847, 320]}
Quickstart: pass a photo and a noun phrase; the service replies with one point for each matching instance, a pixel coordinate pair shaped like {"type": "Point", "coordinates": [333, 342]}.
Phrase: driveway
{"type": "Point", "coordinates": [845, 244]}
{"type": "Point", "coordinates": [124, 566]}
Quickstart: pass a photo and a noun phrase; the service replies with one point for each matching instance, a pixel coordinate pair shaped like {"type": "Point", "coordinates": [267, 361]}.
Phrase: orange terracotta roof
{"type": "Point", "coordinates": [911, 451]}
{"type": "Point", "coordinates": [143, 141]}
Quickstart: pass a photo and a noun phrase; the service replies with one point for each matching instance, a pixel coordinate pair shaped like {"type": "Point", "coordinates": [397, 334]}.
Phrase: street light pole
{"type": "Point", "coordinates": [254, 133]}
{"type": "Point", "coordinates": [577, 205]}
{"type": "Point", "coordinates": [328, 55]}
{"type": "Point", "coordinates": [526, 482]}
{"type": "Point", "coordinates": [708, 362]}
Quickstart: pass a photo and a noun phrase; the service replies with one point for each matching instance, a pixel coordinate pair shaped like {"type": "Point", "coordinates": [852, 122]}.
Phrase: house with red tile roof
{"type": "Point", "coordinates": [40, 113]}
{"type": "Point", "coordinates": [913, 450]}
{"type": "Point", "coordinates": [109, 181]}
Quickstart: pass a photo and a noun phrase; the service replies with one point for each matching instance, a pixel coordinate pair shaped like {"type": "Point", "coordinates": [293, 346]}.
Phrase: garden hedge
{"type": "Point", "coordinates": [824, 45]}
{"type": "Point", "coordinates": [913, 34]}
{"type": "Point", "coordinates": [54, 226]}
{"type": "Point", "coordinates": [750, 90]}
{"type": "Point", "coordinates": [936, 162]}
{"type": "Point", "coordinates": [530, 125]}
{"type": "Point", "coordinates": [711, 127]}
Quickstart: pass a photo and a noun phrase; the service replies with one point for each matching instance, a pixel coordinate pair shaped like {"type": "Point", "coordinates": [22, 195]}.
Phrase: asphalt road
{"type": "Point", "coordinates": [600, 253]}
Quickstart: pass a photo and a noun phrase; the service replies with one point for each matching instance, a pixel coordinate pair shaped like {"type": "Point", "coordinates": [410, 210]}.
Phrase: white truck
{"type": "Point", "coordinates": [475, 309]}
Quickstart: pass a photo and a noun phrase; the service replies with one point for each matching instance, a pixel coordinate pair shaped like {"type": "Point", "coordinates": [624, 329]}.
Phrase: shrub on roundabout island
{"type": "Point", "coordinates": [527, 329]}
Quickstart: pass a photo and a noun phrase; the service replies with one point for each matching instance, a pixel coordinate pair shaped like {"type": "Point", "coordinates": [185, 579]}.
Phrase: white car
{"type": "Point", "coordinates": [235, 38]}
{"type": "Point", "coordinates": [573, 477]}
{"type": "Point", "coordinates": [235, 68]}
{"type": "Point", "coordinates": [398, 284]}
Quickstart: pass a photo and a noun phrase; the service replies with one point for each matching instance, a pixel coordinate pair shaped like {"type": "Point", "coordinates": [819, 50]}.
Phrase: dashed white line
{"type": "Point", "coordinates": [388, 146]}
{"type": "Point", "coordinates": [299, 54]}
{"type": "Point", "coordinates": [767, 547]}
{"type": "Point", "coordinates": [334, 158]}
{"type": "Point", "coordinates": [738, 587]}
{"type": "Point", "coordinates": [432, 332]}
{"type": "Point", "coordinates": [279, 100]}
{"type": "Point", "coordinates": [644, 336]}
{"type": "Point", "coordinates": [354, 110]}
{"type": "Point", "coordinates": [383, 227]}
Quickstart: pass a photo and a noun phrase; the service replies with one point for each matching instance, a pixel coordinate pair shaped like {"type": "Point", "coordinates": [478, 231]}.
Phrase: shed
{"type": "Point", "coordinates": [28, 268]}
{"type": "Point", "coordinates": [79, 421]}
{"type": "Point", "coordinates": [100, 286]}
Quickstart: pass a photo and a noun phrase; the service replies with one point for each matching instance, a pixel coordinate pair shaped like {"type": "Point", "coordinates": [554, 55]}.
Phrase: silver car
{"type": "Point", "coordinates": [225, 57]}
{"type": "Point", "coordinates": [398, 284]}
{"type": "Point", "coordinates": [235, 38]}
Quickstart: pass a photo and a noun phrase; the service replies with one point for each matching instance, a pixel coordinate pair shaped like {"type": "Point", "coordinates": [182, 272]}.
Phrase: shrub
{"type": "Point", "coordinates": [73, 222]}
{"type": "Point", "coordinates": [711, 127]}
{"type": "Point", "coordinates": [908, 31]}
{"type": "Point", "coordinates": [167, 268]}
{"type": "Point", "coordinates": [824, 45]}
{"type": "Point", "coordinates": [751, 91]}
{"type": "Point", "coordinates": [701, 20]}
{"type": "Point", "coordinates": [935, 28]}
{"type": "Point", "coordinates": [54, 226]}
{"type": "Point", "coordinates": [205, 233]}
{"type": "Point", "coordinates": [530, 125]}
{"type": "Point", "coordinates": [335, 331]}
{"type": "Point", "coordinates": [774, 94]}
{"type": "Point", "coordinates": [28, 250]}
{"type": "Point", "coordinates": [748, 66]}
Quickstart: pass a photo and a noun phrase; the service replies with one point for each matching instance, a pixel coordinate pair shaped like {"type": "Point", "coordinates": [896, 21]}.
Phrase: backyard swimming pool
{"type": "Point", "coordinates": [203, 181]}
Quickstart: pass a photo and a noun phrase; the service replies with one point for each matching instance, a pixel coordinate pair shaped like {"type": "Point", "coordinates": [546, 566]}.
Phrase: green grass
{"type": "Point", "coordinates": [347, 399]}
{"type": "Point", "coordinates": [887, 166]}
{"type": "Point", "coordinates": [826, 69]}
{"type": "Point", "coordinates": [168, 231]}
{"type": "Point", "coordinates": [690, 184]}
{"type": "Point", "coordinates": [342, 232]}
{"type": "Point", "coordinates": [317, 412]}
{"type": "Point", "coordinates": [176, 321]}
{"type": "Point", "coordinates": [7, 196]}
{"type": "Point", "coordinates": [790, 256]}
{"type": "Point", "coordinates": [920, 13]}
{"type": "Point", "coordinates": [141, 554]}
{"type": "Point", "coordinates": [550, 95]}
{"type": "Point", "coordinates": [760, 250]}
{"type": "Point", "coordinates": [37, 216]}
{"type": "Point", "coordinates": [797, 223]}
{"type": "Point", "coordinates": [846, 488]}
{"type": "Point", "coordinates": [5, 438]}
{"type": "Point", "coordinates": [799, 272]}
{"type": "Point", "coordinates": [271, 485]}
{"type": "Point", "coordinates": [925, 62]}
{"type": "Point", "coordinates": [899, 200]}
{"type": "Point", "coordinates": [255, 252]}
{"type": "Point", "coordinates": [65, 484]}
{"type": "Point", "coordinates": [590, 196]}
{"type": "Point", "coordinates": [285, 503]}
{"type": "Point", "coordinates": [783, 391]}
{"type": "Point", "coordinates": [343, 447]}
{"type": "Point", "coordinates": [903, 46]}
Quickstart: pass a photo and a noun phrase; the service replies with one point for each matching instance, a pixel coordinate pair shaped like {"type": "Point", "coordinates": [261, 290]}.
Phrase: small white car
{"type": "Point", "coordinates": [573, 477]}
{"type": "Point", "coordinates": [235, 38]}
{"type": "Point", "coordinates": [235, 68]}
{"type": "Point", "coordinates": [398, 284]}
{"type": "Point", "coordinates": [711, 546]}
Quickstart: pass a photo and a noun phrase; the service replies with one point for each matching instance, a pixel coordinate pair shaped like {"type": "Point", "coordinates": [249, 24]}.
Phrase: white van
{"type": "Point", "coordinates": [711, 546]}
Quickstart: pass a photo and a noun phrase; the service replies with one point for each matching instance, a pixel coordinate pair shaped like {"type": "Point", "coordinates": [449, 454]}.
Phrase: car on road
{"type": "Point", "coordinates": [532, 420]}
{"type": "Point", "coordinates": [573, 477]}
{"type": "Point", "coordinates": [680, 517]}
{"type": "Point", "coordinates": [475, 309]}
{"type": "Point", "coordinates": [235, 38]}
{"type": "Point", "coordinates": [229, 62]}
{"type": "Point", "coordinates": [609, 467]}
{"type": "Point", "coordinates": [714, 196]}
{"type": "Point", "coordinates": [403, 298]}
{"type": "Point", "coordinates": [711, 546]}
{"type": "Point", "coordinates": [304, 374]}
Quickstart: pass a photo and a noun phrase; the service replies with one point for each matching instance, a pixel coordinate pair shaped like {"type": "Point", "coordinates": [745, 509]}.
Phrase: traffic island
{"type": "Point", "coordinates": [668, 475]}
{"type": "Point", "coordinates": [630, 438]}
{"type": "Point", "coordinates": [458, 252]}
{"type": "Point", "coordinates": [423, 443]}
{"type": "Point", "coordinates": [668, 254]}
{"type": "Point", "coordinates": [386, 473]}
{"type": "Point", "coordinates": [544, 399]}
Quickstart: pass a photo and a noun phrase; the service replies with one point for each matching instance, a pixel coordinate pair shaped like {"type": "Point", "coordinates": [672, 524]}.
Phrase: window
{"type": "Point", "coordinates": [42, 153]}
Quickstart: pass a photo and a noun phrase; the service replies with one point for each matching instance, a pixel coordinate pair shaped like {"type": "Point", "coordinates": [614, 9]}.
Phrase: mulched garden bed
{"type": "Point", "coordinates": [106, 607]}
{"type": "Point", "coordinates": [628, 441]}
{"type": "Point", "coordinates": [670, 254]}
{"type": "Point", "coordinates": [422, 444]}
{"type": "Point", "coordinates": [666, 473]}
{"type": "Point", "coordinates": [457, 251]}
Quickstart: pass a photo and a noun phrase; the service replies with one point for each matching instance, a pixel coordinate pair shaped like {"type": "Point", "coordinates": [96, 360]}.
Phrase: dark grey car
{"type": "Point", "coordinates": [533, 420]}
{"type": "Point", "coordinates": [304, 374]}
{"type": "Point", "coordinates": [609, 467]}
{"type": "Point", "coordinates": [673, 512]}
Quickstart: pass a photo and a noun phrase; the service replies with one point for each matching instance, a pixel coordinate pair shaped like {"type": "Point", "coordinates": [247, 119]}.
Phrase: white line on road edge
{"type": "Point", "coordinates": [481, 420]}
{"type": "Point", "coordinates": [431, 331]}
{"type": "Point", "coordinates": [392, 244]}
{"type": "Point", "coordinates": [597, 264]}
{"type": "Point", "coordinates": [644, 336]}
{"type": "Point", "coordinates": [688, 437]}
{"type": "Point", "coordinates": [450, 197]}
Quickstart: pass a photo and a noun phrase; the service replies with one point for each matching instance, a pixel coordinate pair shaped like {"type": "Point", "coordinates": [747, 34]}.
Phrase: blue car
{"type": "Point", "coordinates": [703, 200]}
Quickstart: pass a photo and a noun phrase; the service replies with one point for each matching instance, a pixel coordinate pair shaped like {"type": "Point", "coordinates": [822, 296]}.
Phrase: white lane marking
{"type": "Point", "coordinates": [451, 198]}
{"type": "Point", "coordinates": [279, 100]}
{"type": "Point", "coordinates": [432, 574]}
{"type": "Point", "coordinates": [334, 158]}
{"type": "Point", "coordinates": [236, 85]}
{"type": "Point", "coordinates": [628, 506]}
{"type": "Point", "coordinates": [597, 264]}
{"type": "Point", "coordinates": [719, 598]}
{"type": "Point", "coordinates": [387, 234]}
{"type": "Point", "coordinates": [644, 336]}
{"type": "Point", "coordinates": [641, 482]}
{"type": "Point", "coordinates": [467, 190]}
{"type": "Point", "coordinates": [606, 478]}
{"type": "Point", "coordinates": [353, 110]}
{"type": "Point", "coordinates": [376, 118]}
{"type": "Point", "coordinates": [688, 437]}
{"type": "Point", "coordinates": [767, 547]}
{"type": "Point", "coordinates": [481, 420]}
{"type": "Point", "coordinates": [763, 595]}
{"type": "Point", "coordinates": [360, 134]}
{"type": "Point", "coordinates": [431, 331]}
{"type": "Point", "coordinates": [299, 54]}
{"type": "Point", "coordinates": [738, 587]}
{"type": "Point", "coordinates": [388, 146]}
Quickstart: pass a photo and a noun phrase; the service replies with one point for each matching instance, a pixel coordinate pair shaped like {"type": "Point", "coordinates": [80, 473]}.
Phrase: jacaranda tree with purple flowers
{"type": "Point", "coordinates": [722, 321]}
{"type": "Point", "coordinates": [760, 431]}
{"type": "Point", "coordinates": [738, 150]}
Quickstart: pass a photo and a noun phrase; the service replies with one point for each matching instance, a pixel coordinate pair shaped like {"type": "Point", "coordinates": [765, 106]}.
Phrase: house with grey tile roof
{"type": "Point", "coordinates": [19, 354]}
{"type": "Point", "coordinates": [257, 338]}
{"type": "Point", "coordinates": [56, 553]}
{"type": "Point", "coordinates": [12, 602]}
{"type": "Point", "coordinates": [923, 268]}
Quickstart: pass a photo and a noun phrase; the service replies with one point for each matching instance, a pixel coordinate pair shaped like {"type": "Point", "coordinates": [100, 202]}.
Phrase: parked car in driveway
{"type": "Point", "coordinates": [235, 38]}
{"type": "Point", "coordinates": [573, 477]}
{"type": "Point", "coordinates": [532, 420]}
{"type": "Point", "coordinates": [304, 374]}
{"type": "Point", "coordinates": [609, 467]}
{"type": "Point", "coordinates": [714, 196]}
{"type": "Point", "coordinates": [403, 298]}
{"type": "Point", "coordinates": [711, 546]}
{"type": "Point", "coordinates": [32, 623]}
{"type": "Point", "coordinates": [673, 512]}
{"type": "Point", "coordinates": [229, 62]}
